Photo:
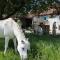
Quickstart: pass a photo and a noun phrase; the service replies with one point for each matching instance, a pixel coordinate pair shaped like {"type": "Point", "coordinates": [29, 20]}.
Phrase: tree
{"type": "Point", "coordinates": [10, 7]}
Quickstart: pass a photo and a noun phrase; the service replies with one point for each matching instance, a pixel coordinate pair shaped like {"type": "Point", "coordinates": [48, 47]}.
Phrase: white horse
{"type": "Point", "coordinates": [9, 29]}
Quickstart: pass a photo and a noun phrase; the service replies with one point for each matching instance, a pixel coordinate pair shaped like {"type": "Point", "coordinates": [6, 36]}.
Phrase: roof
{"type": "Point", "coordinates": [48, 12]}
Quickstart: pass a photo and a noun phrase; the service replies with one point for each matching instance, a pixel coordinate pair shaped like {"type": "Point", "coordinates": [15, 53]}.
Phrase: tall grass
{"type": "Point", "coordinates": [44, 47]}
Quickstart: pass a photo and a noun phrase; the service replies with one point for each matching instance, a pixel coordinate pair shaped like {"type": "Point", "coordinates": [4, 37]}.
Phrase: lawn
{"type": "Point", "coordinates": [44, 47]}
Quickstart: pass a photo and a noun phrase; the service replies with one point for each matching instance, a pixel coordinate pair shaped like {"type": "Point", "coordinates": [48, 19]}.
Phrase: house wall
{"type": "Point", "coordinates": [40, 20]}
{"type": "Point", "coordinates": [51, 21]}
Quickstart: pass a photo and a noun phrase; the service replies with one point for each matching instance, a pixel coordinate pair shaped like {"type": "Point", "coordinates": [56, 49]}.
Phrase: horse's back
{"type": "Point", "coordinates": [6, 27]}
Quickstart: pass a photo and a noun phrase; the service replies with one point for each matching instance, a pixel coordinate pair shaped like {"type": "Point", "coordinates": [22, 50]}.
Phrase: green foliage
{"type": "Point", "coordinates": [24, 6]}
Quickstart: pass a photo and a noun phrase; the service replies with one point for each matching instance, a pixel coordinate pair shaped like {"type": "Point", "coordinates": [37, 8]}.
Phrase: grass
{"type": "Point", "coordinates": [10, 54]}
{"type": "Point", "coordinates": [44, 47]}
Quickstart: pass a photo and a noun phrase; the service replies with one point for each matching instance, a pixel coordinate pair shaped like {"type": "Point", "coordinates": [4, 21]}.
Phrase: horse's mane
{"type": "Point", "coordinates": [18, 30]}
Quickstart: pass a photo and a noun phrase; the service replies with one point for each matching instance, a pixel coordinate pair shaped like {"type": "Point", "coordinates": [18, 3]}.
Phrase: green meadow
{"type": "Point", "coordinates": [44, 47]}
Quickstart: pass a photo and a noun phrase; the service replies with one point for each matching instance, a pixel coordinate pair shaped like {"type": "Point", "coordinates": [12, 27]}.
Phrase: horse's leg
{"type": "Point", "coordinates": [6, 44]}
{"type": "Point", "coordinates": [14, 40]}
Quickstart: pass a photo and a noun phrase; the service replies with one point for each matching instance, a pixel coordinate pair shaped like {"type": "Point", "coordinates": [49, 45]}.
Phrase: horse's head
{"type": "Point", "coordinates": [22, 48]}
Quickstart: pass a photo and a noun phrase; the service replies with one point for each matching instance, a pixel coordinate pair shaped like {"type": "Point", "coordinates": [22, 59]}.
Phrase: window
{"type": "Point", "coordinates": [45, 18]}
